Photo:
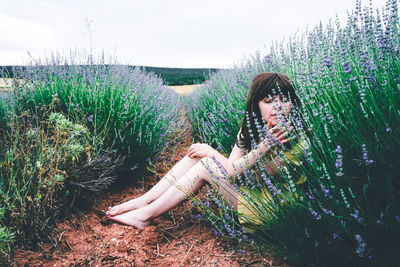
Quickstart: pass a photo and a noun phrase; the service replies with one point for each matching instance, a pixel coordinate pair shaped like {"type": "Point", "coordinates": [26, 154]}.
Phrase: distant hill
{"type": "Point", "coordinates": [171, 76]}
{"type": "Point", "coordinates": [181, 76]}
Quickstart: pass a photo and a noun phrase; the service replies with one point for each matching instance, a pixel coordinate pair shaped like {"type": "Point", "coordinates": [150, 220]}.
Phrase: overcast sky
{"type": "Point", "coordinates": [162, 33]}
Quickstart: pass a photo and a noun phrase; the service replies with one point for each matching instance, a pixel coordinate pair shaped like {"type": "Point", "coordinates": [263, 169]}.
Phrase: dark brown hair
{"type": "Point", "coordinates": [264, 84]}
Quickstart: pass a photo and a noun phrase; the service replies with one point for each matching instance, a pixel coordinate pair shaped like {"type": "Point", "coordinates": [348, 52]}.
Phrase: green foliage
{"type": "Point", "coordinates": [4, 115]}
{"type": "Point", "coordinates": [122, 107]}
{"type": "Point", "coordinates": [6, 238]}
{"type": "Point", "coordinates": [348, 213]}
{"type": "Point", "coordinates": [67, 131]}
{"type": "Point", "coordinates": [35, 182]}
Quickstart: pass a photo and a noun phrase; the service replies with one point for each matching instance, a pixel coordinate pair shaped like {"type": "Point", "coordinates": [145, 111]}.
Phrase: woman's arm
{"type": "Point", "coordinates": [236, 153]}
{"type": "Point", "coordinates": [237, 163]}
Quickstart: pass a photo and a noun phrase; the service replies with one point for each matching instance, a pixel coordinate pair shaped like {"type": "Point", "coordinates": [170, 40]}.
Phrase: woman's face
{"type": "Point", "coordinates": [270, 107]}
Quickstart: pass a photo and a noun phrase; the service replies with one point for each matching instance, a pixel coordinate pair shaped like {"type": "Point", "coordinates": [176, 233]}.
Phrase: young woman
{"type": "Point", "coordinates": [267, 104]}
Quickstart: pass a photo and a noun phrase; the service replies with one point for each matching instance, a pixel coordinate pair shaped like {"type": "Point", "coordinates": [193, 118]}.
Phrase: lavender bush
{"type": "Point", "coordinates": [65, 130]}
{"type": "Point", "coordinates": [127, 110]}
{"type": "Point", "coordinates": [348, 212]}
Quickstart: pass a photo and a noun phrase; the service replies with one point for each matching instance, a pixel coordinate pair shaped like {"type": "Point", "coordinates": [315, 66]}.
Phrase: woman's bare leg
{"type": "Point", "coordinates": [188, 184]}
{"type": "Point", "coordinates": [157, 190]}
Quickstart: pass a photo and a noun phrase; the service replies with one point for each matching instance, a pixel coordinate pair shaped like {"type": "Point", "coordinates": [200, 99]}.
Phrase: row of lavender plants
{"type": "Point", "coordinates": [69, 128]}
{"type": "Point", "coordinates": [123, 107]}
{"type": "Point", "coordinates": [347, 213]}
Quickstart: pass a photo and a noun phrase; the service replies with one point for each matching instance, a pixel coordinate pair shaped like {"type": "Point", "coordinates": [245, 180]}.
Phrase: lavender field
{"type": "Point", "coordinates": [348, 81]}
{"type": "Point", "coordinates": [70, 131]}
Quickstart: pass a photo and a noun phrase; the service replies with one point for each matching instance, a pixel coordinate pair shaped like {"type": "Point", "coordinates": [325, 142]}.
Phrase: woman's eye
{"type": "Point", "coordinates": [267, 100]}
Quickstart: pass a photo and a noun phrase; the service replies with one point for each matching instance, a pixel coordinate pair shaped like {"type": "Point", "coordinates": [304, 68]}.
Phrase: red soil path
{"type": "Point", "coordinates": [89, 238]}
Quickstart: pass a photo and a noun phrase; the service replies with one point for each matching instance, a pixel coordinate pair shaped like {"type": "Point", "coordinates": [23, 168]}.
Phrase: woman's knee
{"type": "Point", "coordinates": [191, 160]}
{"type": "Point", "coordinates": [210, 169]}
{"type": "Point", "coordinates": [183, 166]}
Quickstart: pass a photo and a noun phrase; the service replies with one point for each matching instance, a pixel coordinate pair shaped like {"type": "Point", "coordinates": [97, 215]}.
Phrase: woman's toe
{"type": "Point", "coordinates": [113, 212]}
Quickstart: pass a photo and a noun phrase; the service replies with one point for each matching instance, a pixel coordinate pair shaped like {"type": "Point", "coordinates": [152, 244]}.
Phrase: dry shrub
{"type": "Point", "coordinates": [48, 165]}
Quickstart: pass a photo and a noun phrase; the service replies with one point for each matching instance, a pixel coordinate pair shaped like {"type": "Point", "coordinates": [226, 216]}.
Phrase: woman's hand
{"type": "Point", "coordinates": [278, 132]}
{"type": "Point", "coordinates": [199, 150]}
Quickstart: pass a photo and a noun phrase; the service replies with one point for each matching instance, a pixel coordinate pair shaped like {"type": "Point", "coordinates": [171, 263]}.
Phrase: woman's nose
{"type": "Point", "coordinates": [279, 104]}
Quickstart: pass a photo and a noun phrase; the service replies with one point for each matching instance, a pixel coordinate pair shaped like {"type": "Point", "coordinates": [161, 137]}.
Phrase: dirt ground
{"type": "Point", "coordinates": [184, 89]}
{"type": "Point", "coordinates": [177, 238]}
{"type": "Point", "coordinates": [5, 84]}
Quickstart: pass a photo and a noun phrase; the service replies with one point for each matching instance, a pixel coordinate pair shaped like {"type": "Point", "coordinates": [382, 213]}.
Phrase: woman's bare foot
{"type": "Point", "coordinates": [136, 218]}
{"type": "Point", "coordinates": [132, 204]}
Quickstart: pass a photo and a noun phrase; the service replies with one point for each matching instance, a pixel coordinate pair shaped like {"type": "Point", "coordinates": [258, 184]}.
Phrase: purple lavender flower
{"type": "Point", "coordinates": [308, 156]}
{"type": "Point", "coordinates": [90, 118]}
{"type": "Point", "coordinates": [382, 44]}
{"type": "Point", "coordinates": [346, 81]}
{"type": "Point", "coordinates": [346, 67]}
{"type": "Point", "coordinates": [357, 216]}
{"type": "Point", "coordinates": [216, 232]}
{"type": "Point", "coordinates": [372, 79]}
{"type": "Point", "coordinates": [315, 214]}
{"type": "Point", "coordinates": [268, 59]}
{"type": "Point", "coordinates": [360, 250]}
{"type": "Point", "coordinates": [328, 62]}
{"type": "Point", "coordinates": [326, 192]}
{"type": "Point", "coordinates": [365, 155]}
{"type": "Point", "coordinates": [339, 161]}
{"type": "Point", "coordinates": [269, 184]}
